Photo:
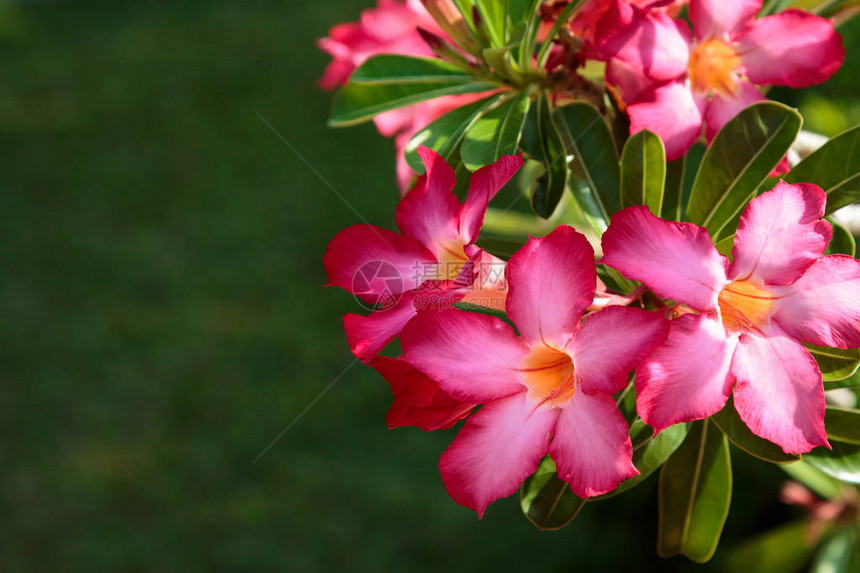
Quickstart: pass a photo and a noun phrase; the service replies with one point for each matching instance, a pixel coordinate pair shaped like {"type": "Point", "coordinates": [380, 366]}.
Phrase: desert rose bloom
{"type": "Point", "coordinates": [418, 400]}
{"type": "Point", "coordinates": [434, 260]}
{"type": "Point", "coordinates": [753, 313]}
{"type": "Point", "coordinates": [677, 80]}
{"type": "Point", "coordinates": [547, 391]}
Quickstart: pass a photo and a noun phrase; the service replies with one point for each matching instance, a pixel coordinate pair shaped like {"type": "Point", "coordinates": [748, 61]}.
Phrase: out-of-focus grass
{"type": "Point", "coordinates": [162, 318]}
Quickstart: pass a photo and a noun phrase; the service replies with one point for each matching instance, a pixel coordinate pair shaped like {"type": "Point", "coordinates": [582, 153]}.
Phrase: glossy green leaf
{"type": "Point", "coordinates": [842, 242]}
{"type": "Point", "coordinates": [651, 456]}
{"type": "Point", "coordinates": [586, 136]}
{"type": "Point", "coordinates": [550, 186]}
{"type": "Point", "coordinates": [835, 363]}
{"type": "Point", "coordinates": [494, 16]}
{"type": "Point", "coordinates": [643, 172]}
{"type": "Point", "coordinates": [387, 82]}
{"type": "Point", "coordinates": [839, 554]}
{"type": "Point", "coordinates": [816, 480]}
{"type": "Point", "coordinates": [740, 435]}
{"type": "Point", "coordinates": [835, 167]}
{"type": "Point", "coordinates": [673, 196]}
{"type": "Point", "coordinates": [495, 134]}
{"type": "Point", "coordinates": [741, 156]}
{"type": "Point", "coordinates": [502, 247]}
{"type": "Point", "coordinates": [695, 492]}
{"type": "Point", "coordinates": [640, 433]}
{"type": "Point", "coordinates": [785, 549]}
{"type": "Point", "coordinates": [546, 500]}
{"type": "Point", "coordinates": [843, 462]}
{"type": "Point", "coordinates": [842, 424]}
{"type": "Point", "coordinates": [445, 135]}
{"type": "Point", "coordinates": [852, 381]}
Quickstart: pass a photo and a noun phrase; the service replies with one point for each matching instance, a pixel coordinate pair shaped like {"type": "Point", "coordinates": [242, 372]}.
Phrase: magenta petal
{"type": "Point", "coordinates": [367, 335]}
{"type": "Point", "coordinates": [611, 344]}
{"type": "Point", "coordinates": [779, 392]}
{"type": "Point", "coordinates": [472, 356]}
{"type": "Point", "coordinates": [676, 260]}
{"type": "Point", "coordinates": [591, 447]}
{"type": "Point", "coordinates": [688, 378]}
{"type": "Point", "coordinates": [374, 263]}
{"type": "Point", "coordinates": [780, 234]}
{"type": "Point", "coordinates": [793, 48]}
{"type": "Point", "coordinates": [723, 108]}
{"type": "Point", "coordinates": [430, 211]}
{"type": "Point", "coordinates": [418, 400]}
{"type": "Point", "coordinates": [483, 186]}
{"type": "Point", "coordinates": [552, 281]}
{"type": "Point", "coordinates": [671, 111]}
{"type": "Point", "coordinates": [823, 306]}
{"type": "Point", "coordinates": [721, 18]}
{"type": "Point", "coordinates": [498, 447]}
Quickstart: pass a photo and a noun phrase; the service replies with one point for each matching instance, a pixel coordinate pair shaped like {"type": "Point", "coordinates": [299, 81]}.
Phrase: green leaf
{"type": "Point", "coordinates": [502, 247]}
{"type": "Point", "coordinates": [446, 133]}
{"type": "Point", "coordinates": [494, 14]}
{"type": "Point", "coordinates": [835, 167]}
{"type": "Point", "coordinates": [650, 457]}
{"type": "Point", "coordinates": [842, 424]}
{"type": "Point", "coordinates": [740, 435]}
{"type": "Point", "coordinates": [816, 480]}
{"type": "Point", "coordinates": [695, 491]}
{"type": "Point", "coordinates": [643, 172]}
{"type": "Point", "coordinates": [782, 550]}
{"type": "Point", "coordinates": [842, 242]}
{"type": "Point", "coordinates": [546, 500]}
{"type": "Point", "coordinates": [586, 136]}
{"type": "Point", "coordinates": [839, 554]}
{"type": "Point", "coordinates": [835, 363]}
{"type": "Point", "coordinates": [843, 462]}
{"type": "Point", "coordinates": [852, 381]}
{"type": "Point", "coordinates": [387, 82]}
{"type": "Point", "coordinates": [550, 186]}
{"type": "Point", "coordinates": [495, 134]}
{"type": "Point", "coordinates": [741, 156]}
{"type": "Point", "coordinates": [673, 197]}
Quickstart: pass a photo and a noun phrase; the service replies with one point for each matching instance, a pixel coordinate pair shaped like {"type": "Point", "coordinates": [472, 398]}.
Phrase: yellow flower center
{"type": "Point", "coordinates": [548, 374]}
{"type": "Point", "coordinates": [712, 67]}
{"type": "Point", "coordinates": [451, 257]}
{"type": "Point", "coordinates": [744, 306]}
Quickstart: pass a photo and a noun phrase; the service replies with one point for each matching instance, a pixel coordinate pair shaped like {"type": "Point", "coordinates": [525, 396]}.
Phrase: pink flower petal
{"type": "Point", "coordinates": [722, 108]}
{"type": "Point", "coordinates": [612, 343]}
{"type": "Point", "coordinates": [472, 356]}
{"type": "Point", "coordinates": [551, 281]}
{"type": "Point", "coordinates": [780, 234]}
{"type": "Point", "coordinates": [374, 263]}
{"type": "Point", "coordinates": [779, 392]}
{"type": "Point", "coordinates": [418, 400]}
{"type": "Point", "coordinates": [793, 48]}
{"type": "Point", "coordinates": [823, 306]}
{"type": "Point", "coordinates": [721, 19]}
{"type": "Point", "coordinates": [651, 41]}
{"type": "Point", "coordinates": [367, 335]}
{"type": "Point", "coordinates": [688, 378]}
{"type": "Point", "coordinates": [483, 186]}
{"type": "Point", "coordinates": [591, 447]}
{"type": "Point", "coordinates": [430, 211]}
{"type": "Point", "coordinates": [671, 111]}
{"type": "Point", "coordinates": [676, 260]}
{"type": "Point", "coordinates": [498, 447]}
{"type": "Point", "coordinates": [629, 79]}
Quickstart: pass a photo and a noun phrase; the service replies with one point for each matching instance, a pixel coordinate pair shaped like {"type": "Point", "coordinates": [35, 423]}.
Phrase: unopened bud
{"type": "Point", "coordinates": [451, 20]}
{"type": "Point", "coordinates": [443, 48]}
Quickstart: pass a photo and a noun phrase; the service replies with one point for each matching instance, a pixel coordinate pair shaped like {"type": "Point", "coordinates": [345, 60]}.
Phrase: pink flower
{"type": "Point", "coordinates": [434, 262]}
{"type": "Point", "coordinates": [676, 80]}
{"type": "Point", "coordinates": [753, 313]}
{"type": "Point", "coordinates": [547, 391]}
{"type": "Point", "coordinates": [418, 400]}
{"type": "Point", "coordinates": [390, 28]}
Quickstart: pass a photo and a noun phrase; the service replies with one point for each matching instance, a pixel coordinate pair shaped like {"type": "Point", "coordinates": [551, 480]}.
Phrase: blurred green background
{"type": "Point", "coordinates": [163, 320]}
